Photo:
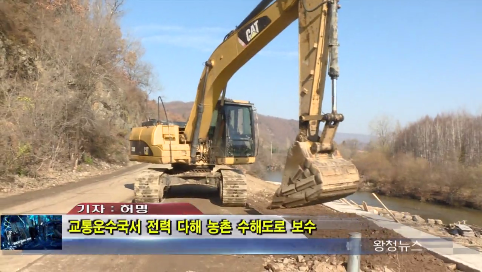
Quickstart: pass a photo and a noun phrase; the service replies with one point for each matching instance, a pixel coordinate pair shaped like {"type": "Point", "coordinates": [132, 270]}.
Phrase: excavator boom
{"type": "Point", "coordinates": [239, 46]}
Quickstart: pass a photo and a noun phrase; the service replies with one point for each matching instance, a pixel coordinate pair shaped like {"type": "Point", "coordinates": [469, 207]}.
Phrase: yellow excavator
{"type": "Point", "coordinates": [222, 133]}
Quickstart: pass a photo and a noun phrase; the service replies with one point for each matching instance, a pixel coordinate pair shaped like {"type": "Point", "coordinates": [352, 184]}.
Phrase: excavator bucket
{"type": "Point", "coordinates": [310, 179]}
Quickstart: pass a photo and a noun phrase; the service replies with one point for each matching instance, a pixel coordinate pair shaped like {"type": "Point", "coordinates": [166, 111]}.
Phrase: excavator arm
{"type": "Point", "coordinates": [239, 46]}
{"type": "Point", "coordinates": [314, 172]}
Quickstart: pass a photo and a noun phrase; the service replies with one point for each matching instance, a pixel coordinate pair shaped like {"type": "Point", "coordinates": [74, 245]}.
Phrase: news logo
{"type": "Point", "coordinates": [31, 232]}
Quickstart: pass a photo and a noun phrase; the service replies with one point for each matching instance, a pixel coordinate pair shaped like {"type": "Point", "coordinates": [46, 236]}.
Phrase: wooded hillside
{"type": "Point", "coordinates": [434, 159]}
{"type": "Point", "coordinates": [71, 85]}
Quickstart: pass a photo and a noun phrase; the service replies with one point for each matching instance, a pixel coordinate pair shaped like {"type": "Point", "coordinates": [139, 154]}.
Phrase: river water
{"type": "Point", "coordinates": [426, 210]}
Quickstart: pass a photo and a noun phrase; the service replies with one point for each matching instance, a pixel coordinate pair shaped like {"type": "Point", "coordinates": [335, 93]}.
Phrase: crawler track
{"type": "Point", "coordinates": [233, 189]}
{"type": "Point", "coordinates": [149, 189]}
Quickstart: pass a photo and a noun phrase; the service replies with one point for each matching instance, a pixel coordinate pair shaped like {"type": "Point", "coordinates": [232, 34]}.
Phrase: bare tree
{"type": "Point", "coordinates": [349, 148]}
{"type": "Point", "coordinates": [432, 158]}
{"type": "Point", "coordinates": [383, 128]}
{"type": "Point", "coordinates": [76, 91]}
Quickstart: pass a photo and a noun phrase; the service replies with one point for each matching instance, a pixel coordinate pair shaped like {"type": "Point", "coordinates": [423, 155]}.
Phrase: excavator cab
{"type": "Point", "coordinates": [233, 132]}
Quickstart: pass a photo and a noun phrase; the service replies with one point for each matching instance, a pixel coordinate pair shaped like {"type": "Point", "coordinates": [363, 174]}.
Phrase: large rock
{"type": "Point", "coordinates": [465, 230]}
{"type": "Point", "coordinates": [398, 215]}
{"type": "Point", "coordinates": [380, 268]}
{"type": "Point", "coordinates": [431, 221]}
{"type": "Point", "coordinates": [286, 260]}
{"type": "Point", "coordinates": [275, 267]}
{"type": "Point", "coordinates": [417, 218]}
{"type": "Point", "coordinates": [325, 267]}
{"type": "Point", "coordinates": [451, 266]}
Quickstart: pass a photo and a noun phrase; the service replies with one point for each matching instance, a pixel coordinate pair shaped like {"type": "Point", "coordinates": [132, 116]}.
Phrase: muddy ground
{"type": "Point", "coordinates": [340, 225]}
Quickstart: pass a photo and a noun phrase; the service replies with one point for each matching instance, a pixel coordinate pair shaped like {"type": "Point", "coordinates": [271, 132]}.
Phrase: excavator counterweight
{"type": "Point", "coordinates": [222, 133]}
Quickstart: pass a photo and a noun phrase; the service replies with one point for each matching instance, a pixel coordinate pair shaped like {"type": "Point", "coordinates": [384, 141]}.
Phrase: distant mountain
{"type": "Point", "coordinates": [362, 138]}
{"type": "Point", "coordinates": [281, 132]}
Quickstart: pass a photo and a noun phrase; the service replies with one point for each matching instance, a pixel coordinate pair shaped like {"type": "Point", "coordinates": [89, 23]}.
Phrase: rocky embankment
{"type": "Point", "coordinates": [433, 226]}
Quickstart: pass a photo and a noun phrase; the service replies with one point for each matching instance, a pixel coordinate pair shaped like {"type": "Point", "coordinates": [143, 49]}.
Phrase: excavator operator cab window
{"type": "Point", "coordinates": [239, 138]}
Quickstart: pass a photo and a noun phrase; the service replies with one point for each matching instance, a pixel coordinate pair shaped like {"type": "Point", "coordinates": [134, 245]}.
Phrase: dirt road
{"type": "Point", "coordinates": [117, 187]}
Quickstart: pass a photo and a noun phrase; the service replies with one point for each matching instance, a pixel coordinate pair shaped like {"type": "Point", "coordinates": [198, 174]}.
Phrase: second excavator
{"type": "Point", "coordinates": [221, 133]}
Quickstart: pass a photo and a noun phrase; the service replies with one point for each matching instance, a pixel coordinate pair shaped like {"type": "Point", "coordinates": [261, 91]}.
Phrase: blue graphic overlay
{"type": "Point", "coordinates": [233, 246]}
{"type": "Point", "coordinates": [190, 234]}
{"type": "Point", "coordinates": [31, 232]}
{"type": "Point", "coordinates": [202, 246]}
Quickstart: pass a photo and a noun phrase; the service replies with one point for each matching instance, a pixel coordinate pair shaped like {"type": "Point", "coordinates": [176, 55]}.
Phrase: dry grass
{"type": "Point", "coordinates": [403, 175]}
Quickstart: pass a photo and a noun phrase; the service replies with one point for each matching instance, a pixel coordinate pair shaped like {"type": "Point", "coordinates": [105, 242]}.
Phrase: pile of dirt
{"type": "Point", "coordinates": [335, 263]}
{"type": "Point", "coordinates": [302, 263]}
{"type": "Point", "coordinates": [340, 225]}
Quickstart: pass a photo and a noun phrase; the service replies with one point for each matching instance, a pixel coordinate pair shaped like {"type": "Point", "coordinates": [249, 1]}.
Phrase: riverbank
{"type": "Point", "coordinates": [424, 209]}
{"type": "Point", "coordinates": [451, 183]}
{"type": "Point", "coordinates": [338, 225]}
{"type": "Point", "coordinates": [439, 198]}
{"type": "Point", "coordinates": [432, 226]}
{"type": "Point", "coordinates": [370, 187]}
{"type": "Point", "coordinates": [404, 177]}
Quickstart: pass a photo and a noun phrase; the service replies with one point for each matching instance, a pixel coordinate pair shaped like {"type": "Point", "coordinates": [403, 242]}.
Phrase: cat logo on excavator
{"type": "Point", "coordinates": [252, 31]}
{"type": "Point", "coordinates": [247, 33]}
